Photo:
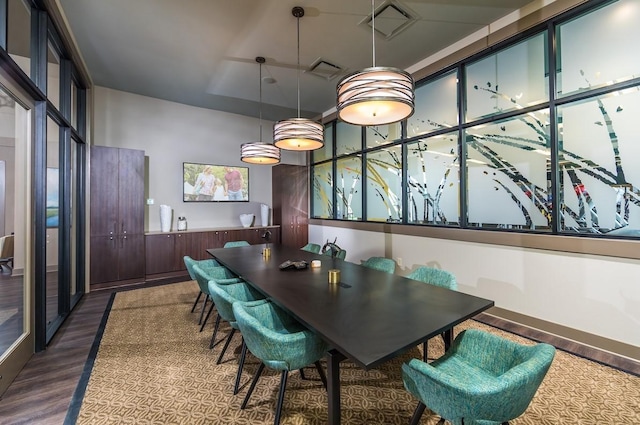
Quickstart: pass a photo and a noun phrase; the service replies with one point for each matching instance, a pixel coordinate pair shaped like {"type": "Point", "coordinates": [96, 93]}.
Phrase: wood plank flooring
{"type": "Point", "coordinates": [43, 390]}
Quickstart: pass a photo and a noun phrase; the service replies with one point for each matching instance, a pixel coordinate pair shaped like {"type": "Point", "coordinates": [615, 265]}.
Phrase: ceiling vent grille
{"type": "Point", "coordinates": [391, 19]}
{"type": "Point", "coordinates": [324, 69]}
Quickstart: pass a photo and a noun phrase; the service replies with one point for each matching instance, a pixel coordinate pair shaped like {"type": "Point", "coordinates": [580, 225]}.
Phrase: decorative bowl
{"type": "Point", "coordinates": [246, 219]}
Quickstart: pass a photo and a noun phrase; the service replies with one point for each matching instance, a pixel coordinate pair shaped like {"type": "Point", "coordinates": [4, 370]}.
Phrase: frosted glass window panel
{"type": "Point", "coordinates": [511, 79]}
{"type": "Point", "coordinates": [433, 181]}
{"type": "Point", "coordinates": [348, 138]}
{"type": "Point", "coordinates": [597, 49]}
{"type": "Point", "coordinates": [508, 165]}
{"type": "Point", "coordinates": [599, 161]}
{"type": "Point", "coordinates": [326, 151]}
{"type": "Point", "coordinates": [384, 184]}
{"type": "Point", "coordinates": [349, 188]}
{"type": "Point", "coordinates": [436, 106]}
{"type": "Point", "coordinates": [19, 33]}
{"type": "Point", "coordinates": [53, 76]}
{"type": "Point", "coordinates": [323, 190]}
{"type": "Point", "coordinates": [379, 135]}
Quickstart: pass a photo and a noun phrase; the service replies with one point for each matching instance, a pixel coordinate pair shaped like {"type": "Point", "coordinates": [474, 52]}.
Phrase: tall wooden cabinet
{"type": "Point", "coordinates": [117, 214]}
{"type": "Point", "coordinates": [290, 193]}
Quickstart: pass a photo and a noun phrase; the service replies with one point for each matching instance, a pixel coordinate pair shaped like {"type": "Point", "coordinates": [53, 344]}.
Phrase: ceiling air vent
{"type": "Point", "coordinates": [323, 69]}
{"type": "Point", "coordinates": [391, 19]}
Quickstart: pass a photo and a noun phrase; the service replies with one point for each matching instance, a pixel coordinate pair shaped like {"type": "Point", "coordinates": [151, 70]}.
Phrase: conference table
{"type": "Point", "coordinates": [368, 317]}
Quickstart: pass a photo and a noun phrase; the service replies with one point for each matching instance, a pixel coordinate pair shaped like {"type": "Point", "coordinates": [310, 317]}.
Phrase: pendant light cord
{"type": "Point", "coordinates": [260, 101]}
{"type": "Point", "coordinates": [298, 20]}
{"type": "Point", "coordinates": [373, 31]}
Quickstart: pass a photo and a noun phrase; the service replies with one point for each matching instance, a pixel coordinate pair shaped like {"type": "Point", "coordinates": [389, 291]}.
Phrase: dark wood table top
{"type": "Point", "coordinates": [370, 317]}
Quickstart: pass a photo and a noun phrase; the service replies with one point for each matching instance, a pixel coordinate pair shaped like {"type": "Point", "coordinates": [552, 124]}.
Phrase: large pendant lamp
{"type": "Point", "coordinates": [376, 95]}
{"type": "Point", "coordinates": [298, 134]}
{"type": "Point", "coordinates": [260, 152]}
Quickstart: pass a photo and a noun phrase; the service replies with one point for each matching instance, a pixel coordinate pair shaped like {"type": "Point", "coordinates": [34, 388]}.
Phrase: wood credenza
{"type": "Point", "coordinates": [164, 251]}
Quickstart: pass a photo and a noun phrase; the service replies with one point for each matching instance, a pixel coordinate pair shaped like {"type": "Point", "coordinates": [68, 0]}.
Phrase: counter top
{"type": "Point", "coordinates": [210, 229]}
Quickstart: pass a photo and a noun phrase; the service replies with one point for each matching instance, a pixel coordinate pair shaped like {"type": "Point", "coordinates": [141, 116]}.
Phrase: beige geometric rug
{"type": "Point", "coordinates": [153, 366]}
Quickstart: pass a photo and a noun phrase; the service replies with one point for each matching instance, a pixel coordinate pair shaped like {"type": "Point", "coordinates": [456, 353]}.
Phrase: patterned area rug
{"type": "Point", "coordinates": [154, 367]}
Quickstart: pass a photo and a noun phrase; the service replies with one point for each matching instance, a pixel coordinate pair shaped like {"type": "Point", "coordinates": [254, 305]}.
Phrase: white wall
{"type": "Point", "coordinates": [593, 294]}
{"type": "Point", "coordinates": [172, 133]}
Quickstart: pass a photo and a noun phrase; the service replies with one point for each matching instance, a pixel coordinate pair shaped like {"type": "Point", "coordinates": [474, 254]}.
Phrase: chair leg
{"type": "Point", "coordinates": [196, 302]}
{"type": "Point", "coordinates": [204, 303]}
{"type": "Point", "coordinates": [417, 414]}
{"type": "Point", "coordinates": [207, 318]}
{"type": "Point", "coordinates": [215, 332]}
{"type": "Point", "coordinates": [447, 336]}
{"type": "Point", "coordinates": [226, 345]}
{"type": "Point", "coordinates": [425, 349]}
{"type": "Point", "coordinates": [253, 385]}
{"type": "Point", "coordinates": [283, 385]}
{"type": "Point", "coordinates": [323, 377]}
{"type": "Point", "coordinates": [243, 354]}
{"type": "Point", "coordinates": [302, 374]}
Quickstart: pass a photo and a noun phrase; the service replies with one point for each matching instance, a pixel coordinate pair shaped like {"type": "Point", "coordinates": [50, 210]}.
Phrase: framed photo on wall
{"type": "Point", "coordinates": [214, 183]}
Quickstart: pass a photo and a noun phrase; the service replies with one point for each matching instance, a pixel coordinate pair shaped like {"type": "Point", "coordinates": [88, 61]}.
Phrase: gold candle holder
{"type": "Point", "coordinates": [334, 276]}
{"type": "Point", "coordinates": [266, 253]}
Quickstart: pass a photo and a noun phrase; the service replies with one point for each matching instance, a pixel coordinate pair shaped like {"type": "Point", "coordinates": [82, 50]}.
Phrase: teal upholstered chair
{"type": "Point", "coordinates": [205, 273]}
{"type": "Point", "coordinates": [189, 263]}
{"type": "Point", "coordinates": [233, 244]}
{"type": "Point", "coordinates": [483, 379]}
{"type": "Point", "coordinates": [341, 254]}
{"type": "Point", "coordinates": [381, 263]}
{"type": "Point", "coordinates": [443, 279]}
{"type": "Point", "coordinates": [280, 342]}
{"type": "Point", "coordinates": [224, 296]}
{"type": "Point", "coordinates": [312, 247]}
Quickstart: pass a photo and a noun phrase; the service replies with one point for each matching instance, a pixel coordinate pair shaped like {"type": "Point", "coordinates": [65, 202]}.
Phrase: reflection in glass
{"type": "Point", "coordinates": [19, 34]}
{"type": "Point", "coordinates": [599, 161]}
{"type": "Point", "coordinates": [384, 185]}
{"type": "Point", "coordinates": [510, 79]}
{"type": "Point", "coordinates": [326, 151]}
{"type": "Point", "coordinates": [52, 219]}
{"type": "Point", "coordinates": [323, 190]}
{"type": "Point", "coordinates": [379, 135]}
{"type": "Point", "coordinates": [433, 180]}
{"type": "Point", "coordinates": [594, 49]}
{"type": "Point", "coordinates": [53, 76]}
{"type": "Point", "coordinates": [508, 173]}
{"type": "Point", "coordinates": [348, 138]}
{"type": "Point", "coordinates": [349, 188]}
{"type": "Point", "coordinates": [436, 106]}
{"type": "Point", "coordinates": [74, 105]}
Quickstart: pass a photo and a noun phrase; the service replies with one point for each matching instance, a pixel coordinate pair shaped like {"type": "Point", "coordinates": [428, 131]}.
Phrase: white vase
{"type": "Point", "coordinates": [264, 214]}
{"type": "Point", "coordinates": [246, 219]}
{"type": "Point", "coordinates": [165, 218]}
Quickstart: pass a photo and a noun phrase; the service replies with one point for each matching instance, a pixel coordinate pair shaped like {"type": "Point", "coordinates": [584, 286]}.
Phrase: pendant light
{"type": "Point", "coordinates": [298, 134]}
{"type": "Point", "coordinates": [376, 95]}
{"type": "Point", "coordinates": [260, 152]}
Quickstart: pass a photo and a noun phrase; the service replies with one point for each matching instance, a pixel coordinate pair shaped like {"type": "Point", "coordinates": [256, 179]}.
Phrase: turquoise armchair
{"type": "Point", "coordinates": [312, 247]}
{"type": "Point", "coordinates": [189, 263]}
{"type": "Point", "coordinates": [381, 263]}
{"type": "Point", "coordinates": [483, 379]}
{"type": "Point", "coordinates": [224, 296]}
{"type": "Point", "coordinates": [233, 244]}
{"type": "Point", "coordinates": [205, 273]}
{"type": "Point", "coordinates": [280, 342]}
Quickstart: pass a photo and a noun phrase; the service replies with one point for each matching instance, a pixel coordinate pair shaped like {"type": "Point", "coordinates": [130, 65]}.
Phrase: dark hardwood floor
{"type": "Point", "coordinates": [43, 390]}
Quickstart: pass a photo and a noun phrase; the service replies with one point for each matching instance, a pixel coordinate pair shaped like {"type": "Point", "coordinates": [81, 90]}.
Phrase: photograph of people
{"type": "Point", "coordinates": [204, 187]}
{"type": "Point", "coordinates": [233, 183]}
{"type": "Point", "coordinates": [218, 192]}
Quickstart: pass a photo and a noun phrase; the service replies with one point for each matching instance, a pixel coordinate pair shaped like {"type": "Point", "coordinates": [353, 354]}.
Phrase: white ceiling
{"type": "Point", "coordinates": [202, 52]}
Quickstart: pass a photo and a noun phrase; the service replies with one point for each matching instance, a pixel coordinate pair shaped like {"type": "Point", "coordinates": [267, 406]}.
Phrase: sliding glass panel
{"type": "Point", "coordinates": [599, 159]}
{"type": "Point", "coordinates": [508, 173]}
{"type": "Point", "coordinates": [379, 135]}
{"type": "Point", "coordinates": [323, 190]}
{"type": "Point", "coordinates": [53, 222]}
{"type": "Point", "coordinates": [53, 76]}
{"type": "Point", "coordinates": [349, 188]}
{"type": "Point", "coordinates": [326, 151]}
{"type": "Point", "coordinates": [384, 184]}
{"type": "Point", "coordinates": [74, 105]}
{"type": "Point", "coordinates": [433, 181]}
{"type": "Point", "coordinates": [436, 106]}
{"type": "Point", "coordinates": [348, 138]}
{"type": "Point", "coordinates": [19, 34]}
{"type": "Point", "coordinates": [511, 79]}
{"type": "Point", "coordinates": [599, 48]}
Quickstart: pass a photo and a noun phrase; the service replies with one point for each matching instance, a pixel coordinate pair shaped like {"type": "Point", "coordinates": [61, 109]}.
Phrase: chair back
{"type": "Point", "coordinates": [225, 295]}
{"type": "Point", "coordinates": [381, 263]}
{"type": "Point", "coordinates": [312, 247]}
{"type": "Point", "coordinates": [233, 244]}
{"type": "Point", "coordinates": [204, 273]}
{"type": "Point", "coordinates": [6, 247]}
{"type": "Point", "coordinates": [433, 276]}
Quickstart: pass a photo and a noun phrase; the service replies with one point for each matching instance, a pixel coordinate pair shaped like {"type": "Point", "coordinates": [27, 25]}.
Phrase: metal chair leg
{"type": "Point", "coordinates": [226, 345]}
{"type": "Point", "coordinates": [204, 303]}
{"type": "Point", "coordinates": [215, 332]}
{"type": "Point", "coordinates": [253, 385]}
{"type": "Point", "coordinates": [283, 385]}
{"type": "Point", "coordinates": [425, 349]}
{"type": "Point", "coordinates": [243, 354]}
{"type": "Point", "coordinates": [323, 377]}
{"type": "Point", "coordinates": [196, 302]}
{"type": "Point", "coordinates": [417, 414]}
{"type": "Point", "coordinates": [207, 317]}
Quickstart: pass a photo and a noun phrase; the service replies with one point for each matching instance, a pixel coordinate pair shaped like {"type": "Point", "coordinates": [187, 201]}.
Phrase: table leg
{"type": "Point", "coordinates": [333, 385]}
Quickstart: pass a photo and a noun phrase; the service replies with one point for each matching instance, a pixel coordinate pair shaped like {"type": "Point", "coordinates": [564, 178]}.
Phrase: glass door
{"type": "Point", "coordinates": [16, 230]}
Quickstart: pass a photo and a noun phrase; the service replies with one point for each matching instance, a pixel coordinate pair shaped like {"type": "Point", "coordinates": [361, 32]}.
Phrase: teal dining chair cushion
{"type": "Point", "coordinates": [233, 244]}
{"type": "Point", "coordinates": [381, 263]}
{"type": "Point", "coordinates": [190, 262]}
{"type": "Point", "coordinates": [433, 276]}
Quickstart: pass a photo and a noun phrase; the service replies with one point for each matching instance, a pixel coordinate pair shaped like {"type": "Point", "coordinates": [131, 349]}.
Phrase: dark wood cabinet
{"type": "Point", "coordinates": [117, 214]}
{"type": "Point", "coordinates": [290, 193]}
